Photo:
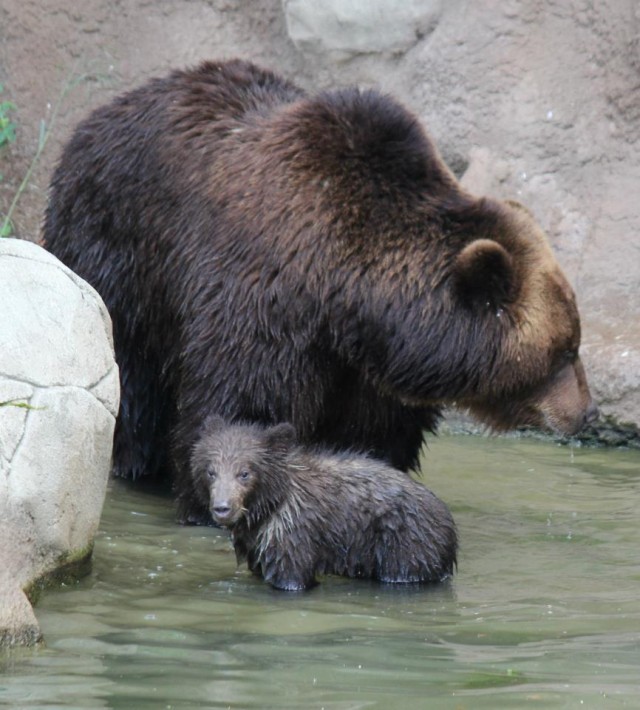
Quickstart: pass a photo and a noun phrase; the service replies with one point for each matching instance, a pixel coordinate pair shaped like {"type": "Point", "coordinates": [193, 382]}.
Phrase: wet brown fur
{"type": "Point", "coordinates": [276, 256]}
{"type": "Point", "coordinates": [295, 514]}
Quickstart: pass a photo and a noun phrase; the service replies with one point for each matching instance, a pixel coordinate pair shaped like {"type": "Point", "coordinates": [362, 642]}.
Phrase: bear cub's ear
{"type": "Point", "coordinates": [212, 423]}
{"type": "Point", "coordinates": [280, 436]}
{"type": "Point", "coordinates": [484, 274]}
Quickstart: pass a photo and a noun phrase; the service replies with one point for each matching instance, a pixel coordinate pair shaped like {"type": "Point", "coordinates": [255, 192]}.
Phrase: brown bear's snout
{"type": "Point", "coordinates": [562, 404]}
{"type": "Point", "coordinates": [565, 404]}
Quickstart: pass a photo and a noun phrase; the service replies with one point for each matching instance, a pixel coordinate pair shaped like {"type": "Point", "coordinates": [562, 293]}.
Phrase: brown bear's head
{"type": "Point", "coordinates": [239, 469]}
{"type": "Point", "coordinates": [531, 320]}
{"type": "Point", "coordinates": [431, 295]}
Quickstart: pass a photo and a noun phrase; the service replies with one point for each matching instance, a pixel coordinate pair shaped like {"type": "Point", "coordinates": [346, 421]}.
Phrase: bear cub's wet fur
{"type": "Point", "coordinates": [295, 513]}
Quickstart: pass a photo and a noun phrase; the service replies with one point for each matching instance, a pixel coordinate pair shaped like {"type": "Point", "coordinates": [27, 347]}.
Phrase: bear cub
{"type": "Point", "coordinates": [295, 513]}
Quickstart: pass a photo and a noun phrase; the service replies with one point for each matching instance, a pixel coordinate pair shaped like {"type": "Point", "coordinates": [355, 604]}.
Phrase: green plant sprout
{"type": "Point", "coordinates": [7, 133]}
{"type": "Point", "coordinates": [7, 126]}
{"type": "Point", "coordinates": [44, 133]}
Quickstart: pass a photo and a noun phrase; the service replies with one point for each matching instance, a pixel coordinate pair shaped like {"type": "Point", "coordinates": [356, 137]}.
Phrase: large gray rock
{"type": "Point", "coordinates": [59, 396]}
{"type": "Point", "coordinates": [344, 29]}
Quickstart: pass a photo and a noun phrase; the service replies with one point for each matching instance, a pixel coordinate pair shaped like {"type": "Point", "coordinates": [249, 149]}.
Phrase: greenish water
{"type": "Point", "coordinates": [544, 611]}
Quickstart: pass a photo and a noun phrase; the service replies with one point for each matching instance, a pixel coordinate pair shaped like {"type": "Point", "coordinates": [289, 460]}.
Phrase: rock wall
{"type": "Point", "coordinates": [538, 101]}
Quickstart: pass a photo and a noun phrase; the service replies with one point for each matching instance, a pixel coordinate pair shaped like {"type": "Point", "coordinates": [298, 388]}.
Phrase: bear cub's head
{"type": "Point", "coordinates": [240, 471]}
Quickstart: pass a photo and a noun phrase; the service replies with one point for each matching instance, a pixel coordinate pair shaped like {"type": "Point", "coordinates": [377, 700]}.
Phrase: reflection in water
{"type": "Point", "coordinates": [544, 610]}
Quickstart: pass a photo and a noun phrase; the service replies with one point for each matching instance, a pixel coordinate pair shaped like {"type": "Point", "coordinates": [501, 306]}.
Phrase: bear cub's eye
{"type": "Point", "coordinates": [244, 475]}
{"type": "Point", "coordinates": [211, 473]}
{"type": "Point", "coordinates": [570, 355]}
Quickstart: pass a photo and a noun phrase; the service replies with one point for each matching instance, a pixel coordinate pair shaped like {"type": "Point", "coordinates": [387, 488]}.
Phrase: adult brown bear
{"type": "Point", "coordinates": [276, 256]}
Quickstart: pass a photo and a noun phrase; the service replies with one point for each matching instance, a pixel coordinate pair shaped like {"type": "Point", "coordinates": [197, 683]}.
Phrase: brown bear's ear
{"type": "Point", "coordinates": [484, 273]}
{"type": "Point", "coordinates": [280, 436]}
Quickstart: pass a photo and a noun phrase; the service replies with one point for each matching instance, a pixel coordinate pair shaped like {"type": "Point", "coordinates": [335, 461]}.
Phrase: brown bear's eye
{"type": "Point", "coordinates": [570, 355]}
{"type": "Point", "coordinates": [244, 475]}
{"type": "Point", "coordinates": [211, 473]}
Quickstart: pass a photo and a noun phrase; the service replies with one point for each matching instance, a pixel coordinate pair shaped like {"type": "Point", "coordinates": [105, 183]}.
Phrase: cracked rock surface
{"type": "Point", "coordinates": [59, 396]}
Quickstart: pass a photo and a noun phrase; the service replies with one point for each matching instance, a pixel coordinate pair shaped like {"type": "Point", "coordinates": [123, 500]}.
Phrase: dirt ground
{"type": "Point", "coordinates": [60, 58]}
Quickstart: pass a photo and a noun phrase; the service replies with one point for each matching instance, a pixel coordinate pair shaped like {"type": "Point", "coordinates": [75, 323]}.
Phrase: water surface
{"type": "Point", "coordinates": [544, 611]}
